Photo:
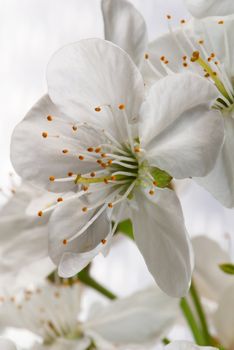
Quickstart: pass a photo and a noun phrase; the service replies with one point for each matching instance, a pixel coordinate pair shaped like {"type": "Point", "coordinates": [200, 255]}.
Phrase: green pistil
{"type": "Point", "coordinates": [213, 75]}
{"type": "Point", "coordinates": [93, 180]}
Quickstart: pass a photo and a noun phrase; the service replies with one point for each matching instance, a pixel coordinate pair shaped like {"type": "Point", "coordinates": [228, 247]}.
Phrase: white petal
{"type": "Point", "coordinates": [185, 345]}
{"type": "Point", "coordinates": [92, 73]}
{"type": "Point", "coordinates": [36, 158]}
{"type": "Point", "coordinates": [6, 344]}
{"type": "Point", "coordinates": [224, 318]}
{"type": "Point", "coordinates": [125, 26]}
{"type": "Point", "coordinates": [209, 279]}
{"type": "Point", "coordinates": [65, 222]}
{"type": "Point", "coordinates": [220, 181]}
{"type": "Point", "coordinates": [121, 321]}
{"type": "Point", "coordinates": [205, 8]}
{"type": "Point", "coordinates": [161, 237]}
{"type": "Point", "coordinates": [178, 130]}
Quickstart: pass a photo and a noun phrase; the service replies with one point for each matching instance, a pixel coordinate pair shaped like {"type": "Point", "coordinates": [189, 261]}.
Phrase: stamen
{"type": "Point", "coordinates": [44, 134]}
{"type": "Point", "coordinates": [49, 118]}
{"type": "Point", "coordinates": [51, 178]}
{"type": "Point", "coordinates": [97, 109]}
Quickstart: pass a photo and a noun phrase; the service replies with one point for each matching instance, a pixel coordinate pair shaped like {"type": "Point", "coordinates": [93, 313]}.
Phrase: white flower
{"type": "Point", "coordinates": [216, 286]}
{"type": "Point", "coordinates": [208, 44]}
{"type": "Point", "coordinates": [54, 313]}
{"type": "Point", "coordinates": [185, 345]}
{"type": "Point", "coordinates": [205, 8]}
{"type": "Point", "coordinates": [23, 240]}
{"type": "Point", "coordinates": [6, 344]}
{"type": "Point", "coordinates": [100, 139]}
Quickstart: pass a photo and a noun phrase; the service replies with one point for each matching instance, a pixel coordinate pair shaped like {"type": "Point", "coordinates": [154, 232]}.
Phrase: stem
{"type": "Point", "coordinates": [201, 314]}
{"type": "Point", "coordinates": [89, 281]}
{"type": "Point", "coordinates": [198, 337]}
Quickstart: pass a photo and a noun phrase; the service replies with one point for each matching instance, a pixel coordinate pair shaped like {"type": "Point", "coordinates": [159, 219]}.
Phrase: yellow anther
{"type": "Point", "coordinates": [65, 151]}
{"type": "Point", "coordinates": [97, 109]}
{"type": "Point", "coordinates": [103, 241]}
{"type": "Point", "coordinates": [110, 205]}
{"type": "Point", "coordinates": [40, 213]}
{"type": "Point", "coordinates": [92, 174]}
{"type": "Point", "coordinates": [221, 22]}
{"type": "Point", "coordinates": [49, 118]}
{"type": "Point", "coordinates": [70, 173]}
{"type": "Point", "coordinates": [182, 21]}
{"type": "Point", "coordinates": [74, 128]}
{"type": "Point", "coordinates": [84, 209]}
{"type": "Point", "coordinates": [168, 16]}
{"type": "Point", "coordinates": [51, 178]}
{"type": "Point", "coordinates": [195, 56]}
{"type": "Point", "coordinates": [151, 192]}
{"type": "Point", "coordinates": [137, 149]}
{"type": "Point", "coordinates": [121, 106]}
{"type": "Point", "coordinates": [98, 149]}
{"type": "Point", "coordinates": [65, 241]}
{"type": "Point", "coordinates": [90, 149]}
{"type": "Point", "coordinates": [146, 56]}
{"type": "Point", "coordinates": [60, 199]}
{"type": "Point", "coordinates": [81, 158]}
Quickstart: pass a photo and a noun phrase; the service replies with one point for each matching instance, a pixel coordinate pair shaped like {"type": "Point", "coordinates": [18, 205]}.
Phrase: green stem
{"type": "Point", "coordinates": [89, 281]}
{"type": "Point", "coordinates": [201, 314]}
{"type": "Point", "coordinates": [198, 337]}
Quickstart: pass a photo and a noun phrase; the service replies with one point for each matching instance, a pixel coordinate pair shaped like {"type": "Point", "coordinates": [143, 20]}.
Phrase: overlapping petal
{"type": "Point", "coordinates": [125, 26]}
{"type": "Point", "coordinates": [161, 237]}
{"type": "Point", "coordinates": [206, 8]}
{"type": "Point", "coordinates": [178, 130]}
{"type": "Point", "coordinates": [121, 321]}
{"type": "Point", "coordinates": [81, 77]}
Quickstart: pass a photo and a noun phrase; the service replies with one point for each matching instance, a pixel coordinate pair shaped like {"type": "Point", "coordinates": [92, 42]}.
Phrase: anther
{"type": "Point", "coordinates": [74, 128]}
{"type": "Point", "coordinates": [195, 56]}
{"type": "Point", "coordinates": [206, 75]}
{"type": "Point", "coordinates": [155, 183]}
{"type": "Point", "coordinates": [113, 178]}
{"type": "Point", "coordinates": [146, 56]}
{"type": "Point", "coordinates": [184, 58]}
{"type": "Point", "coordinates": [98, 149]}
{"type": "Point", "coordinates": [85, 188]}
{"type": "Point", "coordinates": [103, 155]}
{"type": "Point", "coordinates": [168, 16]}
{"type": "Point", "coordinates": [110, 205]}
{"type": "Point", "coordinates": [183, 21]}
{"type": "Point", "coordinates": [121, 106]}
{"type": "Point", "coordinates": [136, 149]}
{"type": "Point", "coordinates": [166, 62]}
{"type": "Point", "coordinates": [185, 64]}
{"type": "Point", "coordinates": [65, 241]}
{"type": "Point", "coordinates": [51, 178]}
{"type": "Point", "coordinates": [151, 192]}
{"type": "Point", "coordinates": [44, 134]}
{"type": "Point", "coordinates": [90, 149]}
{"type": "Point", "coordinates": [40, 213]}
{"type": "Point", "coordinates": [162, 58]}
{"type": "Point", "coordinates": [97, 109]}
{"type": "Point", "coordinates": [106, 181]}
{"type": "Point", "coordinates": [103, 165]}
{"type": "Point", "coordinates": [221, 22]}
{"type": "Point", "coordinates": [81, 158]}
{"type": "Point", "coordinates": [103, 241]}
{"type": "Point", "coordinates": [99, 161]}
{"type": "Point", "coordinates": [201, 42]}
{"type": "Point", "coordinates": [92, 174]}
{"type": "Point", "coordinates": [49, 118]}
{"type": "Point", "coordinates": [212, 55]}
{"type": "Point", "coordinates": [70, 173]}
{"type": "Point", "coordinates": [84, 209]}
{"type": "Point", "coordinates": [65, 151]}
{"type": "Point", "coordinates": [60, 199]}
{"type": "Point", "coordinates": [110, 161]}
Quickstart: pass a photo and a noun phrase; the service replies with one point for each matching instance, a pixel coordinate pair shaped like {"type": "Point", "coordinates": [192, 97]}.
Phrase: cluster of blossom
{"type": "Point", "coordinates": [122, 121]}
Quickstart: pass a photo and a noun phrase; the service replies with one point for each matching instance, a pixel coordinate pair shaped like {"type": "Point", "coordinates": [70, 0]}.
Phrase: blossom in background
{"type": "Point", "coordinates": [205, 8]}
{"type": "Point", "coordinates": [56, 318]}
{"type": "Point", "coordinates": [101, 139]}
{"type": "Point", "coordinates": [208, 43]}
{"type": "Point", "coordinates": [204, 47]}
{"type": "Point", "coordinates": [23, 238]}
{"type": "Point", "coordinates": [6, 344]}
{"type": "Point", "coordinates": [213, 284]}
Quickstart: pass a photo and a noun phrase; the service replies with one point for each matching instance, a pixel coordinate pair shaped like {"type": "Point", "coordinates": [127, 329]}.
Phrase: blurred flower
{"type": "Point", "coordinates": [6, 344]}
{"type": "Point", "coordinates": [53, 313]}
{"type": "Point", "coordinates": [111, 151]}
{"type": "Point", "coordinates": [205, 48]}
{"type": "Point", "coordinates": [213, 284]}
{"type": "Point", "coordinates": [206, 8]}
{"type": "Point", "coordinates": [185, 345]}
{"type": "Point", "coordinates": [23, 240]}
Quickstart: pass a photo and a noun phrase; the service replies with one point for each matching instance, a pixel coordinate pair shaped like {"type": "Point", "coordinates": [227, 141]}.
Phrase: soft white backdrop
{"type": "Point", "coordinates": [30, 31]}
